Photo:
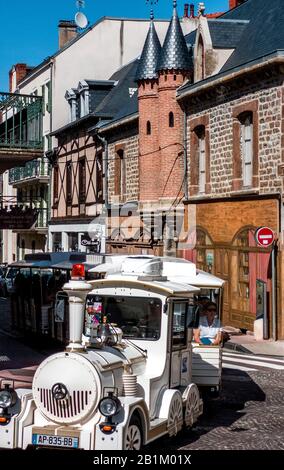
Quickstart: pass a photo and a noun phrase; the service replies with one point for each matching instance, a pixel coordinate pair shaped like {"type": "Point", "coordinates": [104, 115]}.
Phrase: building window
{"type": "Point", "coordinates": [23, 249]}
{"type": "Point", "coordinates": [120, 172]}
{"type": "Point", "coordinates": [99, 177]}
{"type": "Point", "coordinates": [200, 132]}
{"type": "Point", "coordinates": [69, 183]}
{"type": "Point", "coordinates": [48, 97]}
{"type": "Point", "coordinates": [57, 241]}
{"type": "Point", "coordinates": [82, 180]}
{"type": "Point", "coordinates": [246, 147]}
{"type": "Point", "coordinates": [73, 241]}
{"type": "Point", "coordinates": [171, 120]}
{"type": "Point", "coordinates": [200, 156]}
{"type": "Point", "coordinates": [148, 128]}
{"type": "Point", "coordinates": [55, 183]}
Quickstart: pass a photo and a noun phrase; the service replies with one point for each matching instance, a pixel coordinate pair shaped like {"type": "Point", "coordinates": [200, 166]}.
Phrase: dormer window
{"type": "Point", "coordinates": [71, 97]}
{"type": "Point", "coordinates": [84, 93]}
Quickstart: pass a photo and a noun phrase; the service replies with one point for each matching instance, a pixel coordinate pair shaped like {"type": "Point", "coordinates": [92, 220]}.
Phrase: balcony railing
{"type": "Point", "coordinates": [31, 170]}
{"type": "Point", "coordinates": [13, 204]}
{"type": "Point", "coordinates": [20, 121]}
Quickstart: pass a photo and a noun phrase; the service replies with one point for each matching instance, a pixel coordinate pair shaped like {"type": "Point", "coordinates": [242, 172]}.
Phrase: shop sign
{"type": "Point", "coordinates": [264, 237]}
{"type": "Point", "coordinates": [88, 241]}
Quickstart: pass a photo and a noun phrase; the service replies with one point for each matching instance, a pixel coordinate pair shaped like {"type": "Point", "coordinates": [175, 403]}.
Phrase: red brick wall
{"type": "Point", "coordinates": [170, 138]}
{"type": "Point", "coordinates": [235, 3]}
{"type": "Point", "coordinates": [149, 152]}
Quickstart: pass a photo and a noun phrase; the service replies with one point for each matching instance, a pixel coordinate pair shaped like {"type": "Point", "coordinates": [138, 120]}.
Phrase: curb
{"type": "Point", "coordinates": [237, 347]}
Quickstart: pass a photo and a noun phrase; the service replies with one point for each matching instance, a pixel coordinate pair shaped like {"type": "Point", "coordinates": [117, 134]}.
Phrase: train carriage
{"type": "Point", "coordinates": [126, 377]}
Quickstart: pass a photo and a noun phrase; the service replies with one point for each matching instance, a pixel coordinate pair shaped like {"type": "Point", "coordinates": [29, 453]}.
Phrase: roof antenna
{"type": "Point", "coordinates": [80, 19]}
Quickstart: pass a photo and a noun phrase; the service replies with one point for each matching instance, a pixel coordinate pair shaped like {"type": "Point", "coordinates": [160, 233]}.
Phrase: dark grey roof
{"type": "Point", "coordinates": [262, 38]}
{"type": "Point", "coordinates": [150, 55]}
{"type": "Point", "coordinates": [174, 55]}
{"type": "Point", "coordinates": [122, 100]}
{"type": "Point", "coordinates": [264, 33]}
{"type": "Point", "coordinates": [226, 34]}
{"type": "Point", "coordinates": [190, 38]}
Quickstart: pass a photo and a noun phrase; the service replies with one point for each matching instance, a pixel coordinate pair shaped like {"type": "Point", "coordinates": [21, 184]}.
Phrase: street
{"type": "Point", "coordinates": [249, 414]}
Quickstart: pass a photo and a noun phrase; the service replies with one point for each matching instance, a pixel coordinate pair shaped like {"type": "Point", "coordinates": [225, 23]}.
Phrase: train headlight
{"type": "Point", "coordinates": [8, 398]}
{"type": "Point", "coordinates": [109, 406]}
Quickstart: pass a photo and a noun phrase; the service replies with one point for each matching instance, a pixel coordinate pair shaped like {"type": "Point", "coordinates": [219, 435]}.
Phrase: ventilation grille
{"type": "Point", "coordinates": [70, 407]}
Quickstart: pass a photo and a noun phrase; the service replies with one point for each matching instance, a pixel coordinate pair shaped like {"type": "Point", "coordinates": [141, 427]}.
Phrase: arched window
{"type": "Point", "coordinates": [171, 119]}
{"type": "Point", "coordinates": [148, 128]}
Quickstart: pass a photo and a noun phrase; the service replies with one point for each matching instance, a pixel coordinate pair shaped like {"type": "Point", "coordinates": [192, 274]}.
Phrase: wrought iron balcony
{"type": "Point", "coordinates": [20, 128]}
{"type": "Point", "coordinates": [35, 170]}
{"type": "Point", "coordinates": [22, 214]}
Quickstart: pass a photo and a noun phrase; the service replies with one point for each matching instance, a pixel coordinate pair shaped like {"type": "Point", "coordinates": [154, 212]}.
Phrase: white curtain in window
{"type": "Point", "coordinates": [247, 150]}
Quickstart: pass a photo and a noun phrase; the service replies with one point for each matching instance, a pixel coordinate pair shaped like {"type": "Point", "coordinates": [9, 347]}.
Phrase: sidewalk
{"type": "Point", "coordinates": [247, 344]}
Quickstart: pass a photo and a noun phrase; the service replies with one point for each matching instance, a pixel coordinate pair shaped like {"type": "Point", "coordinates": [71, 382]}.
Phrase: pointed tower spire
{"type": "Point", "coordinates": [150, 55]}
{"type": "Point", "coordinates": [174, 55]}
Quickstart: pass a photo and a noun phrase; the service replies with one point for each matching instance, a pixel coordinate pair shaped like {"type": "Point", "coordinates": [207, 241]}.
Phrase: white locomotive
{"type": "Point", "coordinates": [125, 379]}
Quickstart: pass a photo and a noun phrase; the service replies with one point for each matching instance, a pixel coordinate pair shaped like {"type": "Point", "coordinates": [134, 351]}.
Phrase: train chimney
{"type": "Point", "coordinates": [77, 290]}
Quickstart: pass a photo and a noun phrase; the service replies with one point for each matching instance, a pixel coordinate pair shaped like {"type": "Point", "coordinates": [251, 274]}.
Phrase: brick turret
{"type": "Point", "coordinates": [147, 78]}
{"type": "Point", "coordinates": [175, 65]}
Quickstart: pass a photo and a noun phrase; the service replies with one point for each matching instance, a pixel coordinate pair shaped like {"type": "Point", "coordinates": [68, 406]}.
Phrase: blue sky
{"type": "Point", "coordinates": [29, 32]}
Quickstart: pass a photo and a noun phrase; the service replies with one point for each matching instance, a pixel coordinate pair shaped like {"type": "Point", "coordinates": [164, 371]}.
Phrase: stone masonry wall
{"type": "Point", "coordinates": [130, 145]}
{"type": "Point", "coordinates": [219, 112]}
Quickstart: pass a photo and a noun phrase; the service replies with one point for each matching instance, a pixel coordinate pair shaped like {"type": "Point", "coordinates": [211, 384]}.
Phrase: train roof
{"type": "Point", "coordinates": [163, 287]}
{"type": "Point", "coordinates": [176, 270]}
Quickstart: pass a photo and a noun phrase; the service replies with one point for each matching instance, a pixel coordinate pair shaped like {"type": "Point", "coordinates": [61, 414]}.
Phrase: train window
{"type": "Point", "coordinates": [138, 317]}
{"type": "Point", "coordinates": [179, 323]}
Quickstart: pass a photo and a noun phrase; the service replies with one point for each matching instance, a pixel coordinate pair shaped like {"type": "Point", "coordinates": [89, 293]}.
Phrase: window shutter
{"type": "Point", "coordinates": [202, 164]}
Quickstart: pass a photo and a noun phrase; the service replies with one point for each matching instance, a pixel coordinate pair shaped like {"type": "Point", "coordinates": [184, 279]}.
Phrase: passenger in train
{"type": "Point", "coordinates": [209, 331]}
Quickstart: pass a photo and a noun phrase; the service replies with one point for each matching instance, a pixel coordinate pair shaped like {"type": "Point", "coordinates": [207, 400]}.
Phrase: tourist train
{"type": "Point", "coordinates": [131, 372]}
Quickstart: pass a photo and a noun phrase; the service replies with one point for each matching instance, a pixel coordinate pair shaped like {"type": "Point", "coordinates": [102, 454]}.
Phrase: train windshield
{"type": "Point", "coordinates": [138, 317]}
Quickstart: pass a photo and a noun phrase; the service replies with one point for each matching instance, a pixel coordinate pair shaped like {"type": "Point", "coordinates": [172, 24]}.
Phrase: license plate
{"type": "Point", "coordinates": [55, 441]}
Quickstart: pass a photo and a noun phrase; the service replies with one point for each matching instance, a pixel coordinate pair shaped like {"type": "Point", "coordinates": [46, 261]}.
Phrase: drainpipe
{"type": "Point", "coordinates": [185, 156]}
{"type": "Point", "coordinates": [274, 308]}
{"type": "Point", "coordinates": [105, 168]}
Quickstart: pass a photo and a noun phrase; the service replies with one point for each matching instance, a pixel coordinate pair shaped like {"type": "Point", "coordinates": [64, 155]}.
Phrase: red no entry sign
{"type": "Point", "coordinates": [264, 237]}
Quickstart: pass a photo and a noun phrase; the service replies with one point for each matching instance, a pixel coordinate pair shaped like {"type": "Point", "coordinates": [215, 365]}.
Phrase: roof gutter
{"type": "Point", "coordinates": [118, 123]}
{"type": "Point", "coordinates": [218, 81]}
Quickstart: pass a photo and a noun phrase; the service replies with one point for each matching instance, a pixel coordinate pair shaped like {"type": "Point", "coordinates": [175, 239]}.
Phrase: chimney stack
{"type": "Point", "coordinates": [192, 14]}
{"type": "Point", "coordinates": [16, 74]}
{"type": "Point", "coordinates": [186, 9]}
{"type": "Point", "coordinates": [235, 3]}
{"type": "Point", "coordinates": [67, 31]}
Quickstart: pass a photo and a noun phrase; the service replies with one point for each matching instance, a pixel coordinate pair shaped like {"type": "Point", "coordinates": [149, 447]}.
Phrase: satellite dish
{"type": "Point", "coordinates": [81, 20]}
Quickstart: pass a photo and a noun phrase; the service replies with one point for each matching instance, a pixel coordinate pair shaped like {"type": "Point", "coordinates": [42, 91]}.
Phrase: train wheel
{"type": "Point", "coordinates": [175, 419]}
{"type": "Point", "coordinates": [133, 438]}
{"type": "Point", "coordinates": [192, 406]}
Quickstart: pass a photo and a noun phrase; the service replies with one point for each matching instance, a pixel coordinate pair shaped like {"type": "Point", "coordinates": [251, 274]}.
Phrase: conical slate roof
{"type": "Point", "coordinates": [150, 55]}
{"type": "Point", "coordinates": [174, 55]}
